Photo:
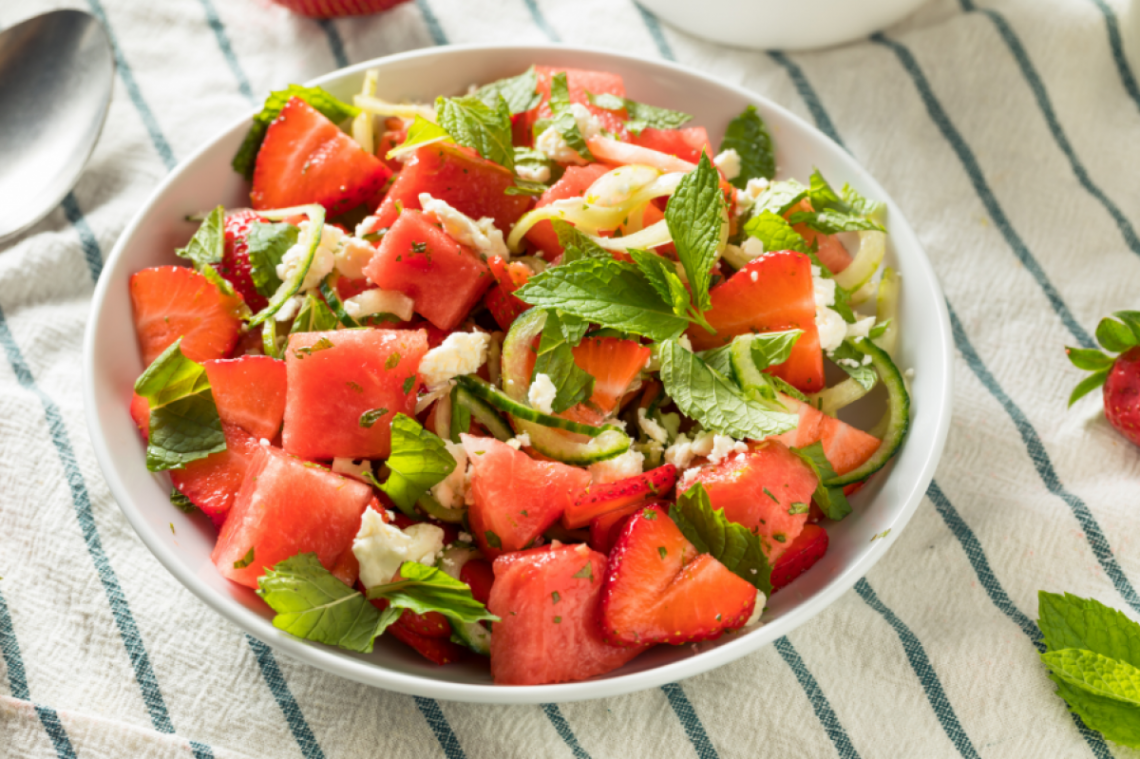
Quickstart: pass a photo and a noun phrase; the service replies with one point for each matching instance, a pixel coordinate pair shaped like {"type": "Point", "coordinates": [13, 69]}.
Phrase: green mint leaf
{"type": "Point", "coordinates": [663, 277]}
{"type": "Point", "coordinates": [476, 125]}
{"type": "Point", "coordinates": [181, 502]}
{"type": "Point", "coordinates": [775, 232]}
{"type": "Point", "coordinates": [799, 508]}
{"type": "Point", "coordinates": [719, 360]}
{"type": "Point", "coordinates": [419, 461]}
{"type": "Point", "coordinates": [370, 417]}
{"type": "Point", "coordinates": [460, 416]}
{"type": "Point", "coordinates": [1069, 621]}
{"type": "Point", "coordinates": [831, 501]}
{"type": "Point", "coordinates": [564, 120]}
{"type": "Point", "coordinates": [335, 110]}
{"type": "Point", "coordinates": [208, 244]}
{"type": "Point", "coordinates": [842, 305]}
{"type": "Point", "coordinates": [748, 136]}
{"type": "Point", "coordinates": [773, 348]}
{"type": "Point", "coordinates": [1089, 359]}
{"type": "Point", "coordinates": [850, 359]}
{"type": "Point", "coordinates": [585, 573]}
{"type": "Point", "coordinates": [520, 92]}
{"type": "Point", "coordinates": [779, 197]}
{"type": "Point", "coordinates": [641, 115]}
{"type": "Point", "coordinates": [422, 589]}
{"type": "Point", "coordinates": [267, 246]}
{"type": "Point", "coordinates": [493, 540]}
{"type": "Point", "coordinates": [859, 204]}
{"type": "Point", "coordinates": [879, 330]}
{"type": "Point", "coordinates": [733, 545]}
{"type": "Point", "coordinates": [556, 360]}
{"type": "Point", "coordinates": [606, 292]}
{"type": "Point", "coordinates": [422, 132]}
{"type": "Point", "coordinates": [525, 187]}
{"type": "Point", "coordinates": [786, 389]}
{"type": "Point", "coordinates": [576, 245]}
{"type": "Point", "coordinates": [246, 560]}
{"type": "Point", "coordinates": [715, 401]}
{"type": "Point", "coordinates": [314, 316]}
{"type": "Point", "coordinates": [323, 344]}
{"type": "Point", "coordinates": [1114, 686]}
{"type": "Point", "coordinates": [830, 221]}
{"type": "Point", "coordinates": [834, 212]}
{"type": "Point", "coordinates": [698, 222]}
{"type": "Point", "coordinates": [1115, 336]}
{"type": "Point", "coordinates": [311, 603]}
{"type": "Point", "coordinates": [184, 421]}
{"type": "Point", "coordinates": [1088, 384]}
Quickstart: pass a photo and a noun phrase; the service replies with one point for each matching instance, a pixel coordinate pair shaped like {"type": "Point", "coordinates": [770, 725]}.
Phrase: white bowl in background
{"type": "Point", "coordinates": [205, 179]}
{"type": "Point", "coordinates": [779, 24]}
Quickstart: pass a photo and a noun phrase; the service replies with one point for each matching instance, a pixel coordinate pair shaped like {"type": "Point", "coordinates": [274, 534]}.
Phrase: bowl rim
{"type": "Point", "coordinates": [370, 673]}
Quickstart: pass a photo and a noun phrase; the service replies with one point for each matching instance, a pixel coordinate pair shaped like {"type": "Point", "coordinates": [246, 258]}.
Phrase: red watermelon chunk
{"type": "Point", "coordinates": [286, 507]}
{"type": "Point", "coordinates": [548, 601]}
{"type": "Point", "coordinates": [781, 296]}
{"type": "Point", "coordinates": [444, 278]}
{"type": "Point", "coordinates": [757, 489]}
{"type": "Point", "coordinates": [516, 498]}
{"type": "Point", "coordinates": [459, 176]}
{"type": "Point", "coordinates": [846, 447]}
{"type": "Point", "coordinates": [305, 158]}
{"type": "Point", "coordinates": [335, 377]}
{"type": "Point", "coordinates": [212, 483]}
{"type": "Point", "coordinates": [686, 143]}
{"type": "Point", "coordinates": [500, 300]}
{"type": "Point", "coordinates": [573, 184]}
{"type": "Point", "coordinates": [249, 392]}
{"type": "Point", "coordinates": [581, 83]}
{"type": "Point", "coordinates": [801, 556]}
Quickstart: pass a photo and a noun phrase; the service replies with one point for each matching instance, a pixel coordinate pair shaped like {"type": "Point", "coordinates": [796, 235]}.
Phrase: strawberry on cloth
{"type": "Point", "coordinates": [338, 8]}
{"type": "Point", "coordinates": [1120, 375]}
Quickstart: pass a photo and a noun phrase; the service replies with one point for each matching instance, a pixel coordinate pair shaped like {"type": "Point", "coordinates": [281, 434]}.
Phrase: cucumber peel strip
{"type": "Point", "coordinates": [831, 399]}
{"type": "Point", "coordinates": [473, 635]}
{"type": "Point", "coordinates": [484, 413]}
{"type": "Point", "coordinates": [328, 289]}
{"type": "Point", "coordinates": [872, 248]}
{"type": "Point", "coordinates": [480, 388]}
{"type": "Point", "coordinates": [898, 405]}
{"type": "Point", "coordinates": [288, 289]}
{"type": "Point", "coordinates": [887, 307]}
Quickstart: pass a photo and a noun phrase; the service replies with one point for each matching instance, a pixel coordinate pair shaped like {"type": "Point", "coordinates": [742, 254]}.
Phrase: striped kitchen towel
{"type": "Point", "coordinates": [1009, 133]}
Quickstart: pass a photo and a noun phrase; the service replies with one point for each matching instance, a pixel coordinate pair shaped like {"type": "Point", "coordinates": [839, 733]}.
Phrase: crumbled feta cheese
{"type": "Point", "coordinates": [461, 353]}
{"type": "Point", "coordinates": [761, 599]}
{"type": "Point", "coordinates": [744, 203]}
{"type": "Point", "coordinates": [684, 342]}
{"type": "Point", "coordinates": [465, 537]}
{"type": "Point", "coordinates": [377, 301]}
{"type": "Point", "coordinates": [651, 428]}
{"type": "Point", "coordinates": [263, 443]}
{"type": "Point", "coordinates": [350, 468]}
{"type": "Point", "coordinates": [542, 393]}
{"type": "Point", "coordinates": [722, 446]}
{"type": "Point", "coordinates": [552, 143]}
{"type": "Point", "coordinates": [524, 439]}
{"type": "Point", "coordinates": [515, 443]}
{"type": "Point", "coordinates": [533, 173]}
{"type": "Point", "coordinates": [289, 309]}
{"type": "Point", "coordinates": [729, 164]}
{"type": "Point", "coordinates": [824, 288]}
{"type": "Point", "coordinates": [481, 236]}
{"type": "Point", "coordinates": [370, 225]}
{"type": "Point", "coordinates": [323, 259]}
{"type": "Point", "coordinates": [909, 374]}
{"type": "Point", "coordinates": [684, 450]}
{"type": "Point", "coordinates": [752, 248]}
{"type": "Point", "coordinates": [832, 328]}
{"type": "Point", "coordinates": [867, 360]}
{"type": "Point", "coordinates": [629, 464]}
{"type": "Point", "coordinates": [756, 186]}
{"type": "Point", "coordinates": [381, 548]}
{"type": "Point", "coordinates": [853, 363]}
{"type": "Point", "coordinates": [451, 491]}
{"type": "Point", "coordinates": [685, 481]}
{"type": "Point", "coordinates": [861, 327]}
{"type": "Point", "coordinates": [353, 255]}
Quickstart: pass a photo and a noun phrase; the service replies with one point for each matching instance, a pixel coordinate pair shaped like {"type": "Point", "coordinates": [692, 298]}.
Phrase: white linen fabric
{"type": "Point", "coordinates": [1007, 130]}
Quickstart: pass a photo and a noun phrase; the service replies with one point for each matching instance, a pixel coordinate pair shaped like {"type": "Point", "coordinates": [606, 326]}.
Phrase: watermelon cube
{"type": "Point", "coordinates": [444, 278]}
{"type": "Point", "coordinates": [580, 82]}
{"type": "Point", "coordinates": [686, 143]}
{"type": "Point", "coordinates": [573, 184]}
{"type": "Point", "coordinates": [249, 392]}
{"type": "Point", "coordinates": [335, 379]}
{"type": "Point", "coordinates": [285, 507]}
{"type": "Point", "coordinates": [847, 448]}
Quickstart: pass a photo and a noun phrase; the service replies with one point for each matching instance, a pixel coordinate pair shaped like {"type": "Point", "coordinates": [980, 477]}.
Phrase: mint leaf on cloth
{"type": "Point", "coordinates": [606, 292]}
{"type": "Point", "coordinates": [831, 501]}
{"type": "Point", "coordinates": [184, 421]}
{"type": "Point", "coordinates": [555, 359]}
{"type": "Point", "coordinates": [1115, 337]}
{"type": "Point", "coordinates": [267, 246]}
{"type": "Point", "coordinates": [520, 92]}
{"type": "Point", "coordinates": [422, 589]}
{"type": "Point", "coordinates": [641, 115]}
{"type": "Point", "coordinates": [474, 124]}
{"type": "Point", "coordinates": [1103, 691]}
{"type": "Point", "coordinates": [748, 135]}
{"type": "Point", "coordinates": [419, 461]}
{"type": "Point", "coordinates": [698, 223]}
{"type": "Point", "coordinates": [1069, 621]}
{"type": "Point", "coordinates": [734, 545]}
{"type": "Point", "coordinates": [335, 110]}
{"type": "Point", "coordinates": [208, 244]}
{"type": "Point", "coordinates": [714, 400]}
{"type": "Point", "coordinates": [422, 132]}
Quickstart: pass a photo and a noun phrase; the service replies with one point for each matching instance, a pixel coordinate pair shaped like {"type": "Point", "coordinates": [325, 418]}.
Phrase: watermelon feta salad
{"type": "Point", "coordinates": [531, 373]}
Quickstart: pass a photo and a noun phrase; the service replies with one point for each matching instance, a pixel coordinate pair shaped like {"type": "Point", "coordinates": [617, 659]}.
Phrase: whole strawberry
{"type": "Point", "coordinates": [235, 260]}
{"type": "Point", "coordinates": [337, 8]}
{"type": "Point", "coordinates": [1119, 375]}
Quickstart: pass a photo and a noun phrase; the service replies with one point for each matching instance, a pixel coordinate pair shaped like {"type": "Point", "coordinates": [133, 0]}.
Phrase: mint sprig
{"type": "Point", "coordinates": [641, 115]}
{"type": "Point", "coordinates": [419, 461]}
{"type": "Point", "coordinates": [555, 359]}
{"type": "Point", "coordinates": [748, 135]}
{"type": "Point", "coordinates": [1115, 336]}
{"type": "Point", "coordinates": [422, 132]}
{"type": "Point", "coordinates": [563, 117]}
{"type": "Point", "coordinates": [576, 245]}
{"type": "Point", "coordinates": [335, 110]}
{"type": "Point", "coordinates": [422, 589]}
{"type": "Point", "coordinates": [832, 213]}
{"type": "Point", "coordinates": [845, 354]}
{"type": "Point", "coordinates": [1093, 654]}
{"type": "Point", "coordinates": [698, 223]}
{"type": "Point", "coordinates": [831, 501]}
{"type": "Point", "coordinates": [735, 546]}
{"type": "Point", "coordinates": [268, 244]}
{"type": "Point", "coordinates": [314, 316]}
{"type": "Point", "coordinates": [520, 92]}
{"type": "Point", "coordinates": [207, 246]}
{"type": "Point", "coordinates": [474, 124]}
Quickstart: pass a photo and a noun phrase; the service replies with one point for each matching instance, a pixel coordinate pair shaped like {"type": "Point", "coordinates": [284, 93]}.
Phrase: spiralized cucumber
{"type": "Point", "coordinates": [484, 413]}
{"type": "Point", "coordinates": [887, 307]}
{"type": "Point", "coordinates": [872, 248]}
{"type": "Point", "coordinates": [473, 635]}
{"type": "Point", "coordinates": [831, 399]}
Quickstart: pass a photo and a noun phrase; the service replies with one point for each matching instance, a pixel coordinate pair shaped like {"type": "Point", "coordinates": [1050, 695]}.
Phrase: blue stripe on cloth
{"type": "Point", "coordinates": [18, 682]}
{"type": "Point", "coordinates": [819, 703]}
{"type": "Point", "coordinates": [562, 727]}
{"type": "Point", "coordinates": [1037, 86]}
{"type": "Point", "coordinates": [302, 733]}
{"type": "Point", "coordinates": [690, 721]}
{"type": "Point", "coordinates": [336, 44]}
{"type": "Point", "coordinates": [977, 558]}
{"type": "Point", "coordinates": [1044, 466]}
{"type": "Point", "coordinates": [655, 31]}
{"type": "Point", "coordinates": [429, 707]}
{"type": "Point", "coordinates": [541, 22]}
{"type": "Point", "coordinates": [120, 608]}
{"type": "Point", "coordinates": [804, 88]}
{"type": "Point", "coordinates": [227, 49]}
{"type": "Point", "coordinates": [1117, 47]}
{"type": "Point", "coordinates": [133, 91]}
{"type": "Point", "coordinates": [431, 21]}
{"type": "Point", "coordinates": [91, 251]}
{"type": "Point", "coordinates": [982, 188]}
{"type": "Point", "coordinates": [920, 663]}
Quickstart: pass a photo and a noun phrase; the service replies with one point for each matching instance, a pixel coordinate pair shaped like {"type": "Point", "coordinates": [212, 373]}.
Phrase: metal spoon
{"type": "Point", "coordinates": [56, 74]}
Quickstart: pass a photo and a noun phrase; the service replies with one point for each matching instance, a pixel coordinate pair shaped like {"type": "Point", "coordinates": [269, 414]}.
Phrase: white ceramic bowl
{"type": "Point", "coordinates": [112, 364]}
{"type": "Point", "coordinates": [779, 24]}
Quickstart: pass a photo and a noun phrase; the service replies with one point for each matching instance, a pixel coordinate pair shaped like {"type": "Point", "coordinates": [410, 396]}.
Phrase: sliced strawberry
{"type": "Point", "coordinates": [431, 624]}
{"type": "Point", "coordinates": [173, 301]}
{"type": "Point", "coordinates": [611, 496]}
{"type": "Point", "coordinates": [305, 158]}
{"type": "Point", "coordinates": [479, 575]}
{"type": "Point", "coordinates": [212, 483]}
{"type": "Point", "coordinates": [140, 414]}
{"type": "Point", "coordinates": [249, 392]}
{"type": "Point", "coordinates": [846, 447]}
{"type": "Point", "coordinates": [614, 363]}
{"type": "Point", "coordinates": [605, 528]}
{"type": "Point", "coordinates": [235, 260]}
{"type": "Point", "coordinates": [773, 292]}
{"type": "Point", "coordinates": [500, 299]}
{"type": "Point", "coordinates": [659, 589]}
{"type": "Point", "coordinates": [804, 552]}
{"type": "Point", "coordinates": [436, 649]}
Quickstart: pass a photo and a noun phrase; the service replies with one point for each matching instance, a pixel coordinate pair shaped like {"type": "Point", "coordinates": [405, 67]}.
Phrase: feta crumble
{"type": "Point", "coordinates": [323, 259]}
{"type": "Point", "coordinates": [832, 328]}
{"type": "Point", "coordinates": [542, 393]}
{"type": "Point", "coordinates": [754, 618]}
{"type": "Point", "coordinates": [289, 309]}
{"type": "Point", "coordinates": [629, 464]}
{"type": "Point", "coordinates": [370, 225]}
{"type": "Point", "coordinates": [533, 173]}
{"type": "Point", "coordinates": [452, 490]}
{"type": "Point", "coordinates": [377, 301]}
{"type": "Point", "coordinates": [481, 236]}
{"type": "Point", "coordinates": [352, 256]}
{"type": "Point", "coordinates": [729, 164]}
{"type": "Point", "coordinates": [752, 247]}
{"type": "Point", "coordinates": [651, 428]}
{"type": "Point", "coordinates": [461, 353]}
{"type": "Point", "coordinates": [684, 450]}
{"type": "Point", "coordinates": [381, 547]}
{"type": "Point", "coordinates": [722, 446]}
{"type": "Point", "coordinates": [685, 343]}
{"type": "Point", "coordinates": [861, 327]}
{"type": "Point", "coordinates": [553, 144]}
